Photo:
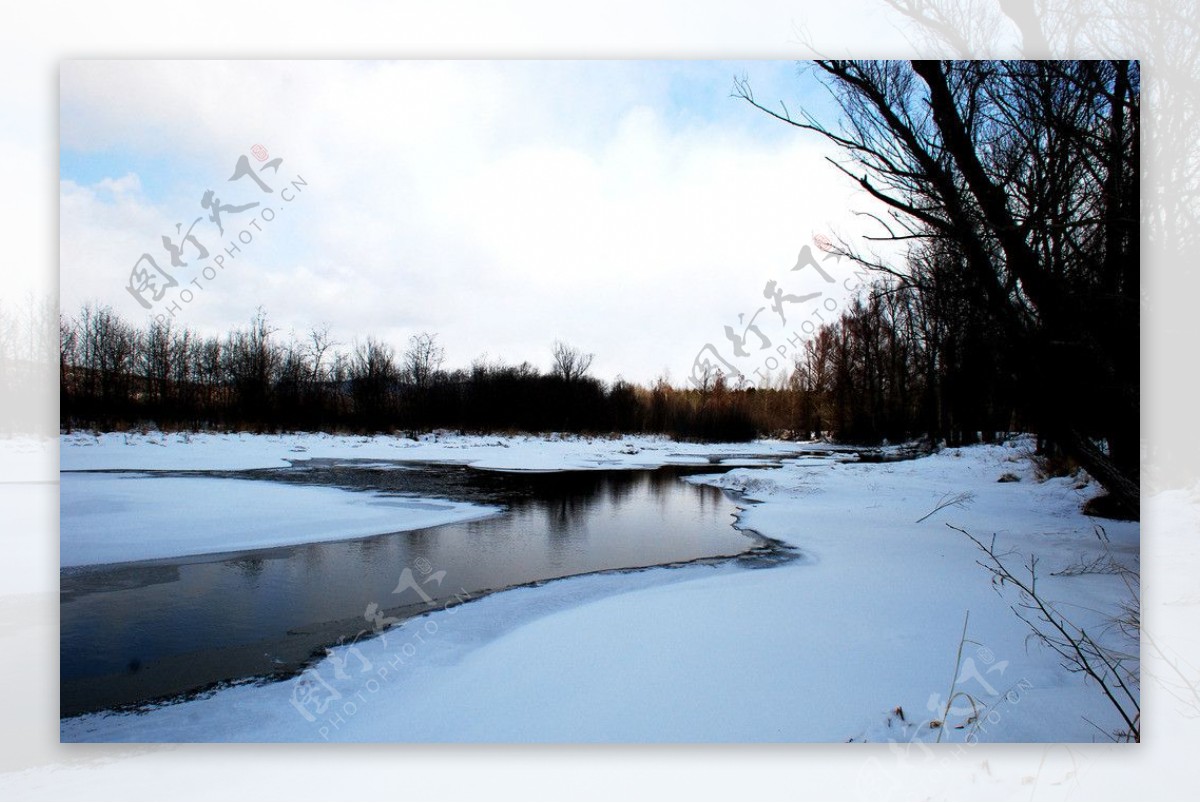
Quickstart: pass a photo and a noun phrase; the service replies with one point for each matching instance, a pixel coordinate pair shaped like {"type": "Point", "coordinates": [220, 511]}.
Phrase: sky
{"type": "Point", "coordinates": [633, 209]}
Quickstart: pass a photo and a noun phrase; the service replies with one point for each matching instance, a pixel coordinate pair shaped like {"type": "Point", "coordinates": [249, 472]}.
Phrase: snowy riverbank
{"type": "Point", "coordinates": [81, 451]}
{"type": "Point", "coordinates": [825, 648]}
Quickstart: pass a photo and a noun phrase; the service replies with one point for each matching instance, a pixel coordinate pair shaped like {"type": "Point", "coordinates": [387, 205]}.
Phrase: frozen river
{"type": "Point", "coordinates": [142, 630]}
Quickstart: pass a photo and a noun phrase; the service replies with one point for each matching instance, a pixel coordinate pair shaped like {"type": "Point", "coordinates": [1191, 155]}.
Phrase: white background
{"type": "Point", "coordinates": [37, 36]}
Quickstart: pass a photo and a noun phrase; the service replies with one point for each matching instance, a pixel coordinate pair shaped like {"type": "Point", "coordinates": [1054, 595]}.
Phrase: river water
{"type": "Point", "coordinates": [136, 632]}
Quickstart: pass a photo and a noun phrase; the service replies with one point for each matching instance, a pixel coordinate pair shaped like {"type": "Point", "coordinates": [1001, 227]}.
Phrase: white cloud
{"type": "Point", "coordinates": [631, 208]}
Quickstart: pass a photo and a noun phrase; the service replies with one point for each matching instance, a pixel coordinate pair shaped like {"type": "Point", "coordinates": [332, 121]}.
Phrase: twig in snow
{"type": "Point", "coordinates": [1079, 651]}
{"type": "Point", "coordinates": [960, 500]}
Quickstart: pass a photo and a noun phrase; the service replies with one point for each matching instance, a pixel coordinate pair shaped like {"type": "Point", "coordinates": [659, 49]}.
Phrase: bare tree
{"type": "Point", "coordinates": [68, 344]}
{"type": "Point", "coordinates": [374, 375]}
{"type": "Point", "coordinates": [1024, 177]}
{"type": "Point", "coordinates": [252, 362]}
{"type": "Point", "coordinates": [374, 361]}
{"type": "Point", "coordinates": [319, 343]}
{"type": "Point", "coordinates": [423, 359]}
{"type": "Point", "coordinates": [571, 363]}
{"type": "Point", "coordinates": [155, 363]}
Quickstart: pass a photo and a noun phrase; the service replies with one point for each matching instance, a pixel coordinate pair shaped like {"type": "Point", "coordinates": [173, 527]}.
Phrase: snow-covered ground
{"type": "Point", "coordinates": [221, 451]}
{"type": "Point", "coordinates": [830, 647]}
{"type": "Point", "coordinates": [114, 517]}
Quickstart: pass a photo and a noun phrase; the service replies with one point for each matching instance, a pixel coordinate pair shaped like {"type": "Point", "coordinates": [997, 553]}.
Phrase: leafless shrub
{"type": "Point", "coordinates": [1114, 672]}
{"type": "Point", "coordinates": [1100, 564]}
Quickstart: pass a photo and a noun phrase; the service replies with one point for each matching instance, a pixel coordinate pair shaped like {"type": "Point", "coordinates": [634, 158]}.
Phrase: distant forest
{"type": "Point", "coordinates": [866, 377]}
{"type": "Point", "coordinates": [1014, 186]}
{"type": "Point", "coordinates": [116, 375]}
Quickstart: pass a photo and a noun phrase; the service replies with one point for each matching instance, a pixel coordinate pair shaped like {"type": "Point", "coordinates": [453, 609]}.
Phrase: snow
{"type": "Point", "coordinates": [27, 458]}
{"type": "Point", "coordinates": [109, 517]}
{"type": "Point", "coordinates": [824, 648]}
{"type": "Point", "coordinates": [223, 451]}
{"type": "Point", "coordinates": [117, 517]}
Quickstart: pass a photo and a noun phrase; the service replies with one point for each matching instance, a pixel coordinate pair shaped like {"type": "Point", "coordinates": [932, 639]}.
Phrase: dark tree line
{"type": "Point", "coordinates": [1016, 186]}
{"type": "Point", "coordinates": [115, 375]}
{"type": "Point", "coordinates": [889, 368]}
